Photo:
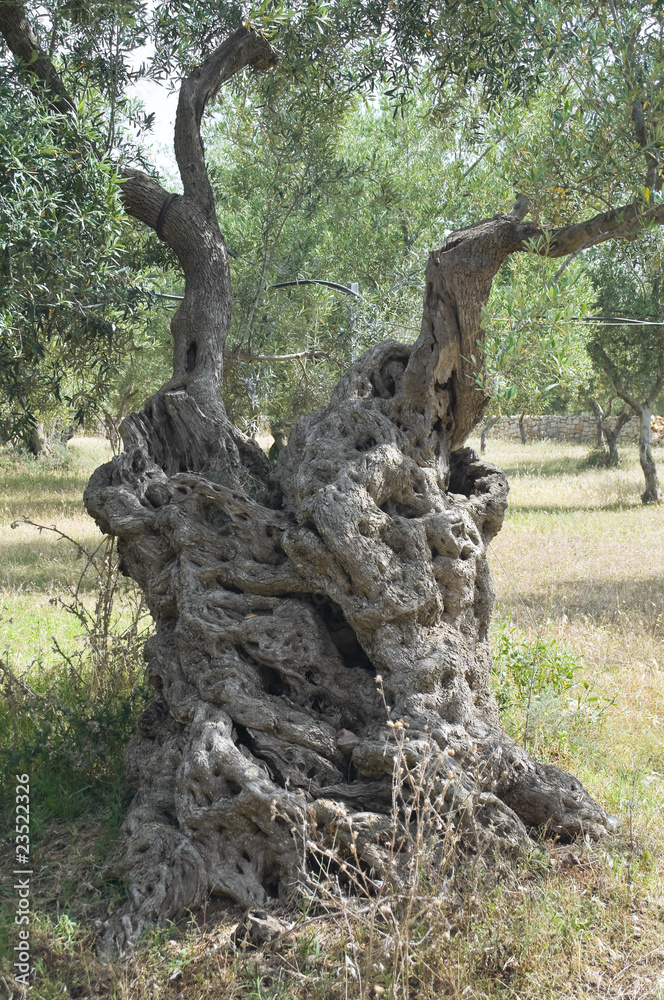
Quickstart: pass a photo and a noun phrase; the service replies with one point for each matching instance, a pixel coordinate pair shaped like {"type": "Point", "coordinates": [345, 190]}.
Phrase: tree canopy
{"type": "Point", "coordinates": [628, 282]}
{"type": "Point", "coordinates": [464, 104]}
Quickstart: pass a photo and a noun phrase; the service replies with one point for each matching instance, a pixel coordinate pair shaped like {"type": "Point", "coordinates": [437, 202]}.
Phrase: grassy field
{"type": "Point", "coordinates": [38, 567]}
{"type": "Point", "coordinates": [579, 576]}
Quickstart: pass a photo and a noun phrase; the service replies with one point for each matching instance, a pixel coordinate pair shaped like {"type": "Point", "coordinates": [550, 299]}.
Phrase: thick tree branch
{"type": "Point", "coordinates": [33, 62]}
{"type": "Point", "coordinates": [594, 241]}
{"type": "Point", "coordinates": [243, 48]}
{"type": "Point", "coordinates": [617, 223]}
{"type": "Point", "coordinates": [184, 426]}
{"type": "Point", "coordinates": [653, 180]}
{"type": "Point", "coordinates": [142, 196]}
{"type": "Point", "coordinates": [627, 396]}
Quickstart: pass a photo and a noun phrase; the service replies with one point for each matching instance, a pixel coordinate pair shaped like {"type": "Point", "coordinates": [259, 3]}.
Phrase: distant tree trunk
{"type": "Point", "coordinates": [36, 442]}
{"type": "Point", "coordinates": [111, 426]}
{"type": "Point", "coordinates": [652, 492]}
{"type": "Point", "coordinates": [613, 433]}
{"type": "Point", "coordinates": [610, 433]}
{"type": "Point", "coordinates": [39, 443]}
{"type": "Point", "coordinates": [300, 616]}
{"type": "Point", "coordinates": [485, 433]}
{"type": "Point", "coordinates": [280, 434]}
{"type": "Point", "coordinates": [599, 440]}
{"type": "Point", "coordinates": [522, 429]}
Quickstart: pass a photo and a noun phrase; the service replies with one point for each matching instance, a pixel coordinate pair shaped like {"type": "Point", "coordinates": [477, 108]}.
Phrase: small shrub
{"type": "Point", "coordinates": [525, 668]}
{"type": "Point", "coordinates": [597, 459]}
{"type": "Point", "coordinates": [70, 744]}
{"type": "Point", "coordinates": [66, 725]}
{"type": "Point", "coordinates": [532, 679]}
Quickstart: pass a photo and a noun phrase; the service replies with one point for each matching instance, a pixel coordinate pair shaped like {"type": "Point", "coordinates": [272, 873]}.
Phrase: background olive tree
{"type": "Point", "coordinates": [630, 359]}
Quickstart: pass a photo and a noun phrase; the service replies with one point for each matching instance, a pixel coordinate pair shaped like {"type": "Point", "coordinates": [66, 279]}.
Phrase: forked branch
{"type": "Point", "coordinates": [242, 48]}
{"type": "Point", "coordinates": [142, 196]}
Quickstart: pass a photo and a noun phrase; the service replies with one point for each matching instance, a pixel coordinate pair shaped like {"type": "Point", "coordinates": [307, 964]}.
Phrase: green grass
{"type": "Point", "coordinates": [39, 568]}
{"type": "Point", "coordinates": [579, 576]}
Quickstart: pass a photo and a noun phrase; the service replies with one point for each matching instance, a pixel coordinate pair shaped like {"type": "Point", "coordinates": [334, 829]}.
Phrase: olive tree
{"type": "Point", "coordinates": [303, 614]}
{"type": "Point", "coordinates": [630, 358]}
{"type": "Point", "coordinates": [533, 342]}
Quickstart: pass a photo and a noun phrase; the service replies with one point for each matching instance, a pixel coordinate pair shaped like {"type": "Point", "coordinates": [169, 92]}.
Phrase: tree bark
{"type": "Point", "coordinates": [612, 435]}
{"type": "Point", "coordinates": [293, 636]}
{"type": "Point", "coordinates": [485, 433]}
{"type": "Point", "coordinates": [184, 427]}
{"type": "Point", "coordinates": [652, 492]}
{"type": "Point", "coordinates": [36, 441]}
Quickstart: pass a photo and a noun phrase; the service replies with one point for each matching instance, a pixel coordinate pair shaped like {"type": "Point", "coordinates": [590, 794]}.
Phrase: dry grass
{"type": "Point", "coordinates": [586, 558]}
{"type": "Point", "coordinates": [38, 567]}
{"type": "Point", "coordinates": [587, 562]}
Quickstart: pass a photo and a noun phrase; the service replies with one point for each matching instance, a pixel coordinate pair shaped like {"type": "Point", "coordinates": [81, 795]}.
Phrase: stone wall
{"type": "Point", "coordinates": [581, 429]}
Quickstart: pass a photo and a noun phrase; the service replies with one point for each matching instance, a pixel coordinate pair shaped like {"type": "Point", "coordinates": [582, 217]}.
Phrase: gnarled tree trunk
{"type": "Point", "coordinates": [288, 603]}
{"type": "Point", "coordinates": [273, 622]}
{"type": "Point", "coordinates": [280, 600]}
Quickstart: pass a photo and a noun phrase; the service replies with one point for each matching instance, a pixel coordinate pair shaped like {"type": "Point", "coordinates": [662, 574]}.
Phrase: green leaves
{"type": "Point", "coordinates": [386, 126]}
{"type": "Point", "coordinates": [68, 297]}
{"type": "Point", "coordinates": [525, 668]}
{"type": "Point", "coordinates": [628, 282]}
{"type": "Point", "coordinates": [534, 346]}
{"type": "Point", "coordinates": [313, 183]}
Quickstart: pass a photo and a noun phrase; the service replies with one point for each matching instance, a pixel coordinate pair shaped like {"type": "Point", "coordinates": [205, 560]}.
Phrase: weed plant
{"type": "Point", "coordinates": [526, 668]}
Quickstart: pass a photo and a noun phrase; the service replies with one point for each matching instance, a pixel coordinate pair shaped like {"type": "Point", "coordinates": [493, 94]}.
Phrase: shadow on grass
{"type": "Point", "coordinates": [558, 465]}
{"type": "Point", "coordinates": [37, 488]}
{"type": "Point", "coordinates": [46, 506]}
{"type": "Point", "coordinates": [46, 563]}
{"type": "Point", "coordinates": [618, 506]}
{"type": "Point", "coordinates": [633, 602]}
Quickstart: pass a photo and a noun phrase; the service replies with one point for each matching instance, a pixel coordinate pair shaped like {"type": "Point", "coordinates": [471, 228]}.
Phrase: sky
{"type": "Point", "coordinates": [161, 102]}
